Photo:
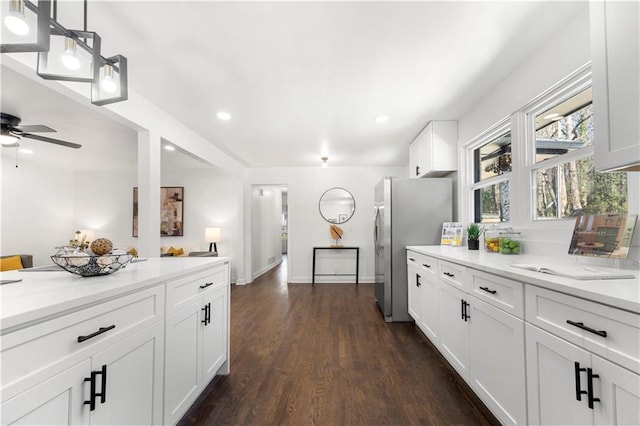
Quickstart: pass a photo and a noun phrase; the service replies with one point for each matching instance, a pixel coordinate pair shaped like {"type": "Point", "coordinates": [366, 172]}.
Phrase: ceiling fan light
{"type": "Point", "coordinates": [15, 20]}
{"type": "Point", "coordinates": [69, 58]}
{"type": "Point", "coordinates": [7, 138]}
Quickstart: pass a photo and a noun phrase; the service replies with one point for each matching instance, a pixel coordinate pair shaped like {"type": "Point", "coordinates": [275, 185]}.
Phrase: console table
{"type": "Point", "coordinates": [315, 250]}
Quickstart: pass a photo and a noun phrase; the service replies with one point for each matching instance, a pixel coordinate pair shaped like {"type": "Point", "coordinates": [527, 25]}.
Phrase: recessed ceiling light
{"type": "Point", "coordinates": [170, 147]}
{"type": "Point", "coordinates": [25, 151]}
{"type": "Point", "coordinates": [382, 119]}
{"type": "Point", "coordinates": [223, 115]}
{"type": "Point", "coordinates": [550, 116]}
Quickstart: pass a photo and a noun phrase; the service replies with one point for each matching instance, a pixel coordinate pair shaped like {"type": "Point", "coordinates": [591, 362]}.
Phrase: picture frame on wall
{"type": "Point", "coordinates": [171, 211]}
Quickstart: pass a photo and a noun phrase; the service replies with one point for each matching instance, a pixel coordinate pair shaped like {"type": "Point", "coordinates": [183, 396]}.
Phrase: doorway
{"type": "Point", "coordinates": [269, 227]}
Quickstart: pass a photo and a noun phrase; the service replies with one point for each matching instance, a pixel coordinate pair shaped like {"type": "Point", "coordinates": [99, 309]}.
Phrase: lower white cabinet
{"type": "Point", "coordinates": [414, 293]}
{"type": "Point", "coordinates": [119, 385]}
{"type": "Point", "coordinates": [56, 400]}
{"type": "Point", "coordinates": [571, 386]}
{"type": "Point", "coordinates": [196, 349]}
{"type": "Point", "coordinates": [430, 309]}
{"type": "Point", "coordinates": [454, 328]}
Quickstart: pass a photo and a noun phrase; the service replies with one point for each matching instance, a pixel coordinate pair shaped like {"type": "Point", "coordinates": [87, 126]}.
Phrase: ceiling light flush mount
{"type": "Point", "coordinates": [382, 119]}
{"type": "Point", "coordinates": [222, 115]}
{"type": "Point", "coordinates": [25, 27]}
{"type": "Point", "coordinates": [324, 161]}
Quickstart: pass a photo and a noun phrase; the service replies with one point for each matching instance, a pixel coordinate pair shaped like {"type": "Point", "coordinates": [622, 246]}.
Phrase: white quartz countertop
{"type": "Point", "coordinates": [42, 295]}
{"type": "Point", "coordinates": [619, 293]}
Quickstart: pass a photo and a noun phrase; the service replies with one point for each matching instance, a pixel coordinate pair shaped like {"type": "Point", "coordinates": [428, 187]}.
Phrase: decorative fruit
{"type": "Point", "coordinates": [508, 246]}
{"type": "Point", "coordinates": [101, 246]}
{"type": "Point", "coordinates": [78, 259]}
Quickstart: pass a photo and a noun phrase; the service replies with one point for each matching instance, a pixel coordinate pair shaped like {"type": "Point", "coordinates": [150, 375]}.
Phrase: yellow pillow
{"type": "Point", "coordinates": [176, 252]}
{"type": "Point", "coordinates": [10, 263]}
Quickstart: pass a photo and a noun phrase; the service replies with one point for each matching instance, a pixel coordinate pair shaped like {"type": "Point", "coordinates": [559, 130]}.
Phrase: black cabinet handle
{"type": "Point", "coordinates": [426, 266]}
{"type": "Point", "coordinates": [488, 291]}
{"type": "Point", "coordinates": [209, 313]}
{"type": "Point", "coordinates": [93, 394]}
{"type": "Point", "coordinates": [577, 370]}
{"type": "Point", "coordinates": [206, 285]}
{"type": "Point", "coordinates": [205, 309]}
{"type": "Point", "coordinates": [97, 333]}
{"type": "Point", "coordinates": [461, 309]}
{"type": "Point", "coordinates": [417, 170]}
{"type": "Point", "coordinates": [465, 313]}
{"type": "Point", "coordinates": [589, 329]}
{"type": "Point", "coordinates": [418, 283]}
{"type": "Point", "coordinates": [412, 259]}
{"type": "Point", "coordinates": [450, 275]}
{"type": "Point", "coordinates": [590, 398]}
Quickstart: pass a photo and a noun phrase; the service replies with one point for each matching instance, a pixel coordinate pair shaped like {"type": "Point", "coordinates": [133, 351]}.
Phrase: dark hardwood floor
{"type": "Point", "coordinates": [323, 355]}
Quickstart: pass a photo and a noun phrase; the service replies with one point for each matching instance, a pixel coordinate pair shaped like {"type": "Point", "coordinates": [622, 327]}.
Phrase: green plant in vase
{"type": "Point", "coordinates": [474, 231]}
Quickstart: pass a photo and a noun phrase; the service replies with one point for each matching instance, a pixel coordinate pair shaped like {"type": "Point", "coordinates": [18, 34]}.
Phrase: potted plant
{"type": "Point", "coordinates": [473, 236]}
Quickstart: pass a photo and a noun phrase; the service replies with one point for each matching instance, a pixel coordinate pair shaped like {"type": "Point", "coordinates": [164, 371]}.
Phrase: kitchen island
{"type": "Point", "coordinates": [134, 347]}
{"type": "Point", "coordinates": [536, 348]}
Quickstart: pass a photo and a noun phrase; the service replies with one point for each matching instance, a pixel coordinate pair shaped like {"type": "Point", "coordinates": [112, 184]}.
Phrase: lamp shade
{"type": "Point", "coordinates": [212, 235]}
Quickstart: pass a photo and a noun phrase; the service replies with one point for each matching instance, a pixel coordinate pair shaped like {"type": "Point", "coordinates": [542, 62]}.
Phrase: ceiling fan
{"type": "Point", "coordinates": [11, 132]}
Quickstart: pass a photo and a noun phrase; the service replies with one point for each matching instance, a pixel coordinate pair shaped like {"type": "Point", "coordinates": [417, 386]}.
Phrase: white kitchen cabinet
{"type": "Point", "coordinates": [134, 378]}
{"type": "Point", "coordinates": [414, 293]}
{"type": "Point", "coordinates": [197, 339]}
{"type": "Point", "coordinates": [57, 400]}
{"type": "Point", "coordinates": [569, 385]}
{"type": "Point", "coordinates": [615, 56]}
{"type": "Point", "coordinates": [430, 310]}
{"type": "Point", "coordinates": [454, 328]}
{"type": "Point", "coordinates": [497, 361]}
{"type": "Point", "coordinates": [433, 152]}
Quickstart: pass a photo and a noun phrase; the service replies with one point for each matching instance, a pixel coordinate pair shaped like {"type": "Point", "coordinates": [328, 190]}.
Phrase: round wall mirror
{"type": "Point", "coordinates": [337, 205]}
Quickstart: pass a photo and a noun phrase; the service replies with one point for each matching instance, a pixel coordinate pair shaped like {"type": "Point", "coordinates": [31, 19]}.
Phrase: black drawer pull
{"type": "Point", "coordinates": [590, 398]}
{"type": "Point", "coordinates": [426, 266]}
{"type": "Point", "coordinates": [488, 291]}
{"type": "Point", "coordinates": [450, 275]}
{"type": "Point", "coordinates": [577, 370]}
{"type": "Point", "coordinates": [418, 283]}
{"type": "Point", "coordinates": [412, 259]}
{"type": "Point", "coordinates": [589, 329]}
{"type": "Point", "coordinates": [97, 333]}
{"type": "Point", "coordinates": [206, 285]}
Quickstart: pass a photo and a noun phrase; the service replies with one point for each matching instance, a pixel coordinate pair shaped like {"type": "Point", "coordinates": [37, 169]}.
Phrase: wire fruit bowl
{"type": "Point", "coordinates": [88, 265]}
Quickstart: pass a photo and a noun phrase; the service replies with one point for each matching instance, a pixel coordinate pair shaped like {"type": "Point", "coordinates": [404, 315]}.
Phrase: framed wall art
{"type": "Point", "coordinates": [171, 211]}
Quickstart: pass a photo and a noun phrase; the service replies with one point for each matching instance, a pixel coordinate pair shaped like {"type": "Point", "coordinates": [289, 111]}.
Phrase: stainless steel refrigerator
{"type": "Point", "coordinates": [407, 212]}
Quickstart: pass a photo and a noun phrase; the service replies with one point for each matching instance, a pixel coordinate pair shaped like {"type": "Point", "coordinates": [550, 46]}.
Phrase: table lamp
{"type": "Point", "coordinates": [212, 236]}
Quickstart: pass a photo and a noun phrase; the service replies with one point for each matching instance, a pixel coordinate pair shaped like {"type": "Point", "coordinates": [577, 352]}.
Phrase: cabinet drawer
{"type": "Point", "coordinates": [500, 292]}
{"type": "Point", "coordinates": [426, 263]}
{"type": "Point", "coordinates": [453, 274]}
{"type": "Point", "coordinates": [184, 290]}
{"type": "Point", "coordinates": [609, 332]}
{"type": "Point", "coordinates": [28, 350]}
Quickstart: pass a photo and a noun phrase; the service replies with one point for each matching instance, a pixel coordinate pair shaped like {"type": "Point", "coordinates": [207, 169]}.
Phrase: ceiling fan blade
{"type": "Point", "coordinates": [35, 128]}
{"type": "Point", "coordinates": [51, 140]}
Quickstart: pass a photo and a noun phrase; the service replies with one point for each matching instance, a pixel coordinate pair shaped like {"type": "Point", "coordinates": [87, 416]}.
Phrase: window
{"type": "Point", "coordinates": [491, 171]}
{"type": "Point", "coordinates": [566, 183]}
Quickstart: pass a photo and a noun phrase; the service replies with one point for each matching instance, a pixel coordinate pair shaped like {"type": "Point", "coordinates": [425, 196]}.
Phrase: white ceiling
{"type": "Point", "coordinates": [300, 78]}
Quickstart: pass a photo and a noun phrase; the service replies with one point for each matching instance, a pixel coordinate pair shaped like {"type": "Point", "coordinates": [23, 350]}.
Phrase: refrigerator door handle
{"type": "Point", "coordinates": [375, 229]}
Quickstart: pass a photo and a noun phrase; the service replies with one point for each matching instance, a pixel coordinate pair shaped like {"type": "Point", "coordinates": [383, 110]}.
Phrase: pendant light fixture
{"type": "Point", "coordinates": [66, 55]}
{"type": "Point", "coordinates": [111, 85]}
{"type": "Point", "coordinates": [25, 27]}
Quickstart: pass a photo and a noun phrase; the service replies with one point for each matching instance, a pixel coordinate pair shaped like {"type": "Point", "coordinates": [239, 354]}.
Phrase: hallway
{"type": "Point", "coordinates": [323, 355]}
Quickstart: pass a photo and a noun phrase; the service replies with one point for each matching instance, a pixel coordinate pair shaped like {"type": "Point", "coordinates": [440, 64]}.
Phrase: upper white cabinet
{"type": "Point", "coordinates": [433, 152]}
{"type": "Point", "coordinates": [615, 47]}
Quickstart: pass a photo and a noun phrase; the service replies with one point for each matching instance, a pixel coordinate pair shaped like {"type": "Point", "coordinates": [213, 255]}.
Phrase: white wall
{"type": "Point", "coordinates": [266, 227]}
{"type": "Point", "coordinates": [564, 53]}
{"type": "Point", "coordinates": [37, 204]}
{"type": "Point", "coordinates": [307, 228]}
{"type": "Point", "coordinates": [211, 199]}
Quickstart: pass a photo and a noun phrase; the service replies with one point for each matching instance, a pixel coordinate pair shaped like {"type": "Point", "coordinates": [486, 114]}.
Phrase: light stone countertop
{"type": "Point", "coordinates": [619, 293]}
{"type": "Point", "coordinates": [42, 295]}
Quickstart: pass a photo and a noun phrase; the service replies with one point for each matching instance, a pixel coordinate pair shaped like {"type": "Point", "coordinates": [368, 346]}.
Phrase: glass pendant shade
{"type": "Point", "coordinates": [73, 56]}
{"type": "Point", "coordinates": [25, 27]}
{"type": "Point", "coordinates": [111, 86]}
